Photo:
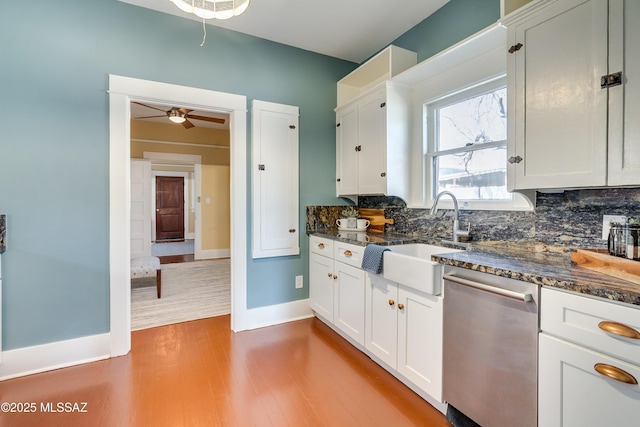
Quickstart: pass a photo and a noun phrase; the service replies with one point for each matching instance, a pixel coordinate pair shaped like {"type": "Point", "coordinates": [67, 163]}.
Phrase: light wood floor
{"type": "Point", "coordinates": [201, 374]}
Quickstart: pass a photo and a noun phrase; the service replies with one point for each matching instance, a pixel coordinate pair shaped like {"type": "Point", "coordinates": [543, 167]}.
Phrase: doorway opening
{"type": "Point", "coordinates": [123, 90]}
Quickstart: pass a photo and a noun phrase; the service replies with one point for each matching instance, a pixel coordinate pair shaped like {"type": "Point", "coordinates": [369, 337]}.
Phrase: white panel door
{"type": "Point", "coordinates": [346, 151]}
{"type": "Point", "coordinates": [373, 141]}
{"type": "Point", "coordinates": [275, 180]}
{"type": "Point", "coordinates": [381, 330]}
{"type": "Point", "coordinates": [624, 100]}
{"type": "Point", "coordinates": [420, 340]}
{"type": "Point", "coordinates": [140, 208]}
{"type": "Point", "coordinates": [348, 303]}
{"type": "Point", "coordinates": [321, 283]}
{"type": "Point", "coordinates": [557, 111]}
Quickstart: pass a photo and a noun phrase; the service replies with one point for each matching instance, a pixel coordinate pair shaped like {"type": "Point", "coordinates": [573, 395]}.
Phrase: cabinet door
{"type": "Point", "coordinates": [420, 340]}
{"type": "Point", "coordinates": [381, 319]}
{"type": "Point", "coordinates": [346, 151]}
{"type": "Point", "coordinates": [348, 304]}
{"type": "Point", "coordinates": [274, 137]}
{"type": "Point", "coordinates": [372, 173]}
{"type": "Point", "coordinates": [321, 285]}
{"type": "Point", "coordinates": [624, 100]}
{"type": "Point", "coordinates": [572, 393]}
{"type": "Point", "coordinates": [557, 112]}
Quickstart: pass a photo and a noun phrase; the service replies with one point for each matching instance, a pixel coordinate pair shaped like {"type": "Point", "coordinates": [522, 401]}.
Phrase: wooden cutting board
{"type": "Point", "coordinates": [601, 261]}
{"type": "Point", "coordinates": [376, 217]}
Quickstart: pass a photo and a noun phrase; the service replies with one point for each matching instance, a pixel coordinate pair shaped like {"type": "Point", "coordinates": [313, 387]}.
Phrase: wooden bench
{"type": "Point", "coordinates": [148, 266]}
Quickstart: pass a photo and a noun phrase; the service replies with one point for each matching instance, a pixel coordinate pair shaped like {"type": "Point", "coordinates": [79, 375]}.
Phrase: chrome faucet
{"type": "Point", "coordinates": [456, 223]}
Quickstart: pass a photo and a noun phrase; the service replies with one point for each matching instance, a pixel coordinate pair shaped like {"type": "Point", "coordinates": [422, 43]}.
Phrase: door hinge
{"type": "Point", "coordinates": [384, 104]}
{"type": "Point", "coordinates": [260, 167]}
{"type": "Point", "coordinates": [358, 147]}
{"type": "Point", "coordinates": [610, 80]}
{"type": "Point", "coordinates": [515, 159]}
{"type": "Point", "coordinates": [383, 174]}
{"type": "Point", "coordinates": [338, 179]}
{"type": "Point", "coordinates": [515, 48]}
{"type": "Point", "coordinates": [292, 126]}
{"type": "Point", "coordinates": [338, 125]}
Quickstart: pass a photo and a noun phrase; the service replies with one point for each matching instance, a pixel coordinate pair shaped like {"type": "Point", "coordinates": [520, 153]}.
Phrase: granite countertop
{"type": "Point", "coordinates": [542, 268]}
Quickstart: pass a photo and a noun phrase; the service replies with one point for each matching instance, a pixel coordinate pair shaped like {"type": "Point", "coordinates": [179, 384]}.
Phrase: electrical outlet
{"type": "Point", "coordinates": [606, 219]}
{"type": "Point", "coordinates": [299, 282]}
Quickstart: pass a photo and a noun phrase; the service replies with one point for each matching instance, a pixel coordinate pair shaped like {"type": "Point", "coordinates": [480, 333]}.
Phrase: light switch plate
{"type": "Point", "coordinates": [606, 219]}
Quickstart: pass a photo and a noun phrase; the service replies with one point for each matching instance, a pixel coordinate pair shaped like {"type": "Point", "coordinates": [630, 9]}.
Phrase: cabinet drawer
{"type": "Point", "coordinates": [321, 246]}
{"type": "Point", "coordinates": [591, 322]}
{"type": "Point", "coordinates": [581, 387]}
{"type": "Point", "coordinates": [349, 254]}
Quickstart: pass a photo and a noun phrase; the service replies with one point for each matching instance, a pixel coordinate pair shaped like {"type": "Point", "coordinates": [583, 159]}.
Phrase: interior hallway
{"type": "Point", "coordinates": [201, 374]}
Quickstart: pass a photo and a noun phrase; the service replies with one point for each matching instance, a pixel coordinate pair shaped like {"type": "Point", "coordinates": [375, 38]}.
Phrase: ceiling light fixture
{"type": "Point", "coordinates": [216, 9]}
{"type": "Point", "coordinates": [176, 116]}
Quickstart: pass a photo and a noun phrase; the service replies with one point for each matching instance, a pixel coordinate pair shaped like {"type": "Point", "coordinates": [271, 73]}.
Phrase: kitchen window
{"type": "Point", "coordinates": [465, 147]}
{"type": "Point", "coordinates": [467, 144]}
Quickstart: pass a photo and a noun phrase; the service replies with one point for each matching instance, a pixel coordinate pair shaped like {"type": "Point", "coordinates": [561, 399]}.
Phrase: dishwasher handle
{"type": "Point", "coordinates": [525, 297]}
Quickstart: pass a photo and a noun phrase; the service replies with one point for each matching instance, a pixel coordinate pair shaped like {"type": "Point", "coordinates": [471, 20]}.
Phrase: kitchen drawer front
{"type": "Point", "coordinates": [349, 254]}
{"type": "Point", "coordinates": [321, 246]}
{"type": "Point", "coordinates": [577, 318]}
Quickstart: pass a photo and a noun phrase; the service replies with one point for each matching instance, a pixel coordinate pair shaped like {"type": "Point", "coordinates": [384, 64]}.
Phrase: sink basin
{"type": "Point", "coordinates": [411, 265]}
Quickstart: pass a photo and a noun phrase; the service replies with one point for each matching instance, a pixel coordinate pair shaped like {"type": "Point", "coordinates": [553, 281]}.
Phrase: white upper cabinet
{"type": "Point", "coordinates": [563, 126]}
{"type": "Point", "coordinates": [385, 65]}
{"type": "Point", "coordinates": [274, 139]}
{"type": "Point", "coordinates": [372, 143]}
{"type": "Point", "coordinates": [624, 100]}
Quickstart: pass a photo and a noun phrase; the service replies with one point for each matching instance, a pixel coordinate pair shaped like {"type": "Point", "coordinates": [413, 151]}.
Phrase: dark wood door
{"type": "Point", "coordinates": [169, 208]}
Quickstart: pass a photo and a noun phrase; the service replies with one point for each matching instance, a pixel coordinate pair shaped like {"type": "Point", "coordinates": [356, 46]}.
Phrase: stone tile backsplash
{"type": "Point", "coordinates": [572, 219]}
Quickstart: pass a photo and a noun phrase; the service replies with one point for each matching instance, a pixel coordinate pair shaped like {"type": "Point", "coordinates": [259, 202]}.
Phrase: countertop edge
{"type": "Point", "coordinates": [543, 269]}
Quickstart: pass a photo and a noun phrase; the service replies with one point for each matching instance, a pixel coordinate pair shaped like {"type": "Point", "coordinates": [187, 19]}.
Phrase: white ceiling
{"type": "Point", "coordinates": [353, 30]}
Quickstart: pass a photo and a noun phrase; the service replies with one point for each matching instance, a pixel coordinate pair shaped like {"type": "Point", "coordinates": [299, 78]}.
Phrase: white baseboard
{"type": "Point", "coordinates": [279, 313]}
{"type": "Point", "coordinates": [55, 355]}
{"type": "Point", "coordinates": [212, 253]}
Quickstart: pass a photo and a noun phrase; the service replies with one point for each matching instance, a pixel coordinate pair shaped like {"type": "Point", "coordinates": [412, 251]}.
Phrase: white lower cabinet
{"type": "Point", "coordinates": [420, 340]}
{"type": "Point", "coordinates": [572, 393]}
{"type": "Point", "coordinates": [348, 303]}
{"type": "Point", "coordinates": [321, 285]}
{"type": "Point", "coordinates": [588, 362]}
{"type": "Point", "coordinates": [404, 330]}
{"type": "Point", "coordinates": [381, 327]}
{"type": "Point", "coordinates": [336, 286]}
{"type": "Point", "coordinates": [398, 327]}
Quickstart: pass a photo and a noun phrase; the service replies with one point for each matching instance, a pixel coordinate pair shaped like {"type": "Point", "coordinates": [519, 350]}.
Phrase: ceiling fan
{"type": "Point", "coordinates": [180, 115]}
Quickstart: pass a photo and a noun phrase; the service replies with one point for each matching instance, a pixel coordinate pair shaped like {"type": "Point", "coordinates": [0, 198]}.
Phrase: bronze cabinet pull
{"type": "Point", "coordinates": [615, 373]}
{"type": "Point", "coordinates": [619, 329]}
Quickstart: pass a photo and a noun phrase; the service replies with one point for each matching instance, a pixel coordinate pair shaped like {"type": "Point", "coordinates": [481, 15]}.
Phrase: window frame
{"type": "Point", "coordinates": [473, 62]}
{"type": "Point", "coordinates": [431, 138]}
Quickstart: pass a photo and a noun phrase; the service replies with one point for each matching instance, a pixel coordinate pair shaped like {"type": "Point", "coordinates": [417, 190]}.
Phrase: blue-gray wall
{"type": "Point", "coordinates": [55, 58]}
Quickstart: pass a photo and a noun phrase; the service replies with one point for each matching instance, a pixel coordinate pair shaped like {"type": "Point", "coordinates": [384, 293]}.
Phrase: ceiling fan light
{"type": "Point", "coordinates": [183, 5]}
{"type": "Point", "coordinates": [226, 9]}
{"type": "Point", "coordinates": [176, 116]}
{"type": "Point", "coordinates": [241, 6]}
{"type": "Point", "coordinates": [203, 13]}
{"type": "Point", "coordinates": [218, 9]}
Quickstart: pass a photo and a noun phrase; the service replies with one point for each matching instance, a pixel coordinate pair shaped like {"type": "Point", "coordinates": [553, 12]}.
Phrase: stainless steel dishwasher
{"type": "Point", "coordinates": [490, 352]}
